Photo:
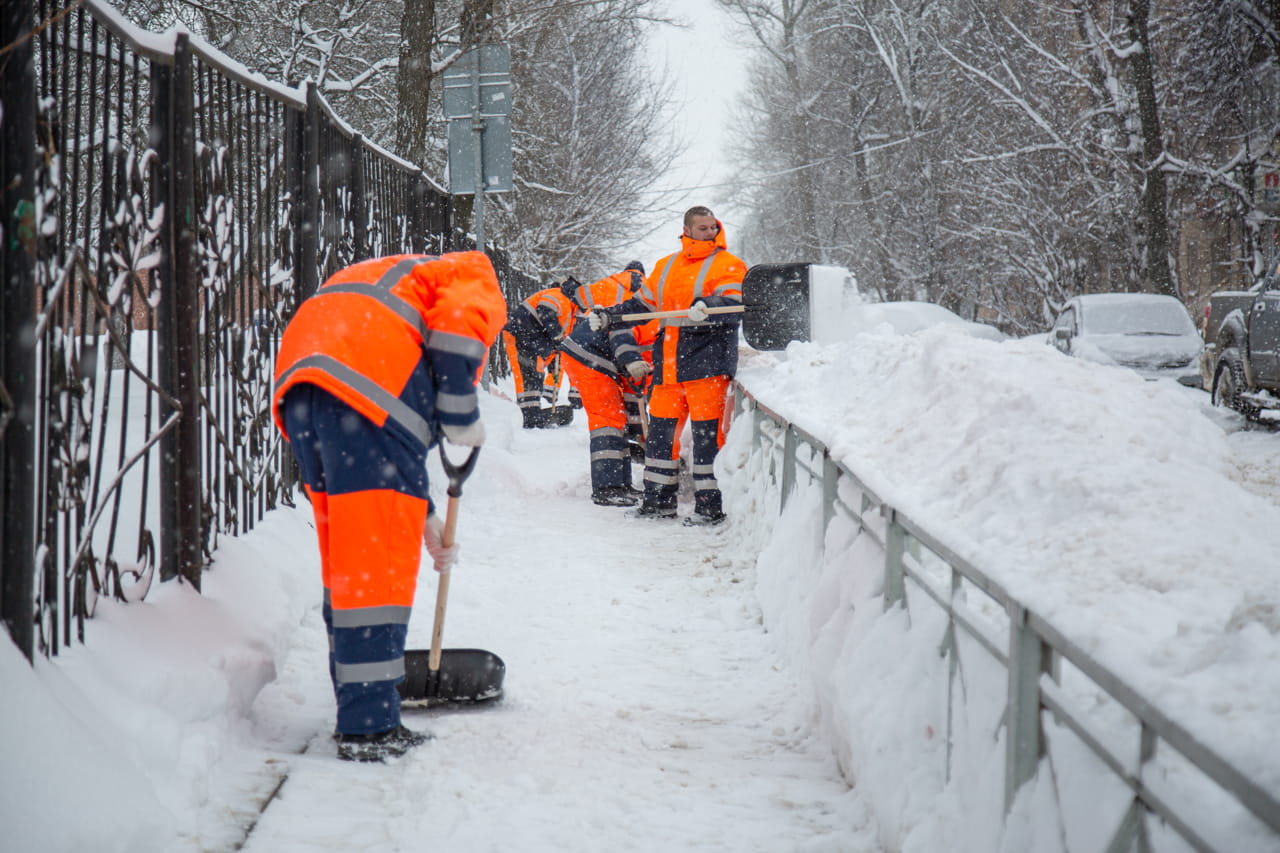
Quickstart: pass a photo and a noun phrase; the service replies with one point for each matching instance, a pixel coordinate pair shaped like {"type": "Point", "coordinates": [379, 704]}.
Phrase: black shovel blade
{"type": "Point", "coordinates": [466, 676]}
{"type": "Point", "coordinates": [776, 300]}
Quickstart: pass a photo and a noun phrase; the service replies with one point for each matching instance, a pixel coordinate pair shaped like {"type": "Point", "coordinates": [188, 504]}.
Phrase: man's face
{"type": "Point", "coordinates": [702, 228]}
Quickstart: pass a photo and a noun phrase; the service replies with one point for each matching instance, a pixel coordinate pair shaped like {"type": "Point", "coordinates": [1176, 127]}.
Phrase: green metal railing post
{"type": "Point", "coordinates": [895, 590]}
{"type": "Point", "coordinates": [830, 488]}
{"type": "Point", "coordinates": [1029, 658]}
{"type": "Point", "coordinates": [790, 442]}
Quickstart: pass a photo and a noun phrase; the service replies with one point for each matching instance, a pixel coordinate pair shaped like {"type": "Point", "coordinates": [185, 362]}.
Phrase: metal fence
{"type": "Point", "coordinates": [164, 213]}
{"type": "Point", "coordinates": [1047, 673]}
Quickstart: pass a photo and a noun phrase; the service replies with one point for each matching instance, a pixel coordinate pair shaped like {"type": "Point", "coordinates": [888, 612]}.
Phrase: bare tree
{"type": "Point", "coordinates": [590, 131]}
{"type": "Point", "coordinates": [593, 130]}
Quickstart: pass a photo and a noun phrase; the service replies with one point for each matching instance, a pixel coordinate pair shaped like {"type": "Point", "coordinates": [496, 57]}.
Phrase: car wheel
{"type": "Point", "coordinates": [1229, 384]}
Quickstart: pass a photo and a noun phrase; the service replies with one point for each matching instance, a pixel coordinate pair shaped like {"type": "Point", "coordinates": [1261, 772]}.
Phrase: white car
{"type": "Point", "coordinates": [1148, 332]}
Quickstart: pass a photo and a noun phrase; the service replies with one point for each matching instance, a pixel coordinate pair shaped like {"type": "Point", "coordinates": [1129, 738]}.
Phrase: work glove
{"type": "Point", "coordinates": [639, 369]}
{"type": "Point", "coordinates": [698, 311]}
{"type": "Point", "coordinates": [471, 435]}
{"type": "Point", "coordinates": [598, 320]}
{"type": "Point", "coordinates": [442, 557]}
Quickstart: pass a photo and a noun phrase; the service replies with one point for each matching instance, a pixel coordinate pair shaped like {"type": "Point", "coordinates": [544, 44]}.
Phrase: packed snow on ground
{"type": "Point", "coordinates": [737, 688]}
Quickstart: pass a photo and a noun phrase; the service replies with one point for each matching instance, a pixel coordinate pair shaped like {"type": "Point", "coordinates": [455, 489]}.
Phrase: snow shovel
{"type": "Point", "coordinates": [451, 676]}
{"type": "Point", "coordinates": [663, 315]}
{"type": "Point", "coordinates": [777, 304]}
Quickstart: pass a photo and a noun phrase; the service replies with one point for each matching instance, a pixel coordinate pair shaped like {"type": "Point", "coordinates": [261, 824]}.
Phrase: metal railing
{"type": "Point", "coordinates": [164, 213]}
{"type": "Point", "coordinates": [1047, 673]}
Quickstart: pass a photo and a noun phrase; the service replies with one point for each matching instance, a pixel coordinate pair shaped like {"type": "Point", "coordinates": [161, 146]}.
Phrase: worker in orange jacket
{"type": "Point", "coordinates": [694, 359]}
{"type": "Point", "coordinates": [532, 337]}
{"type": "Point", "coordinates": [611, 290]}
{"type": "Point", "coordinates": [371, 370]}
{"type": "Point", "coordinates": [609, 370]}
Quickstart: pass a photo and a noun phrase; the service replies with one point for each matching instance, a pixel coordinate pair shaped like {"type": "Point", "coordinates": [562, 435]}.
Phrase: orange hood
{"type": "Point", "coordinates": [696, 250]}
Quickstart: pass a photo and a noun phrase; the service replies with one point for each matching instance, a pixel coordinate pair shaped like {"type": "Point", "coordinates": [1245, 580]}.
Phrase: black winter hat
{"type": "Point", "coordinates": [569, 287]}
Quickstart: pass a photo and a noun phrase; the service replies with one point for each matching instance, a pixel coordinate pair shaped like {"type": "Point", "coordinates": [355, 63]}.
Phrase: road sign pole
{"type": "Point", "coordinates": [477, 102]}
{"type": "Point", "coordinates": [477, 128]}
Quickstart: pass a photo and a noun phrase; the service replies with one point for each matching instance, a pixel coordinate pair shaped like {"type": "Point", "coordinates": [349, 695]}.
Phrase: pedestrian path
{"type": "Point", "coordinates": [645, 707]}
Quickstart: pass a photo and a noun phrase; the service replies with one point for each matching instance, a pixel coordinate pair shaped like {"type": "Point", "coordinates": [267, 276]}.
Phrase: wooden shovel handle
{"type": "Point", "coordinates": [662, 315]}
{"type": "Point", "coordinates": [457, 475]}
{"type": "Point", "coordinates": [442, 588]}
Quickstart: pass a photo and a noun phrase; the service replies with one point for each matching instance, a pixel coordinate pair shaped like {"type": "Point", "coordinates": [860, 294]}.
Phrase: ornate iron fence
{"type": "Point", "coordinates": [164, 214]}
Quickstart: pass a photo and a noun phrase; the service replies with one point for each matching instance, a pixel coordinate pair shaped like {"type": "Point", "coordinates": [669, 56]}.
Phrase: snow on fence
{"type": "Point", "coordinates": [1125, 775]}
{"type": "Point", "coordinates": [170, 211]}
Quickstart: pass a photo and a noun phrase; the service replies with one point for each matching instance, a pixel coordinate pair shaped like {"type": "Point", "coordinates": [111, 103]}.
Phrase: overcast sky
{"type": "Point", "coordinates": [707, 73]}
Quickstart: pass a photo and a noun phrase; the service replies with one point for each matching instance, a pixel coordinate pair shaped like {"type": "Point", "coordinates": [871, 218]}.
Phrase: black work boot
{"type": "Point", "coordinates": [533, 418]}
{"type": "Point", "coordinates": [614, 496]}
{"type": "Point", "coordinates": [379, 746]}
{"type": "Point", "coordinates": [653, 510]}
{"type": "Point", "coordinates": [706, 509]}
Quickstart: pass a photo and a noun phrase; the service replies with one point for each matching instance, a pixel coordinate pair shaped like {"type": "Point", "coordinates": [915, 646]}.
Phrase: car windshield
{"type": "Point", "coordinates": [1138, 318]}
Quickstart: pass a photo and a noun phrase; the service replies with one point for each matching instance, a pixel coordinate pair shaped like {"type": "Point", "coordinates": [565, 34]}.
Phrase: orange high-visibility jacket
{"type": "Point", "coordinates": [540, 322]}
{"type": "Point", "coordinates": [701, 270]}
{"type": "Point", "coordinates": [605, 351]}
{"type": "Point", "coordinates": [400, 339]}
{"type": "Point", "coordinates": [609, 290]}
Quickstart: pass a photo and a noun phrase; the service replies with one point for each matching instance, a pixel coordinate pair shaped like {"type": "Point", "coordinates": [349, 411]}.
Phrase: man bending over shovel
{"type": "Point", "coordinates": [371, 369]}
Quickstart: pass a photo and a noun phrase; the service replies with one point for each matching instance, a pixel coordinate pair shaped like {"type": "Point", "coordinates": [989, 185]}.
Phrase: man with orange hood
{"type": "Point", "coordinates": [371, 371]}
{"type": "Point", "coordinates": [694, 359]}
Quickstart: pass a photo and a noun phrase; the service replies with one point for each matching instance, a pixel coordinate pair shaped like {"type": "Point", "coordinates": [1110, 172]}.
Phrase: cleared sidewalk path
{"type": "Point", "coordinates": [645, 708]}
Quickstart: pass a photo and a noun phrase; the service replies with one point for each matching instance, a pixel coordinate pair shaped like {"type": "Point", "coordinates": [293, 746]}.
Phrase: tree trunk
{"type": "Point", "coordinates": [801, 143]}
{"type": "Point", "coordinates": [475, 21]}
{"type": "Point", "coordinates": [413, 78]}
{"type": "Point", "coordinates": [1154, 204]}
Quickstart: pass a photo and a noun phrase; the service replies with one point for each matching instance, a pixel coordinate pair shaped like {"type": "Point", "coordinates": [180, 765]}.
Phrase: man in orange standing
{"type": "Point", "coordinates": [694, 359]}
{"type": "Point", "coordinates": [371, 370]}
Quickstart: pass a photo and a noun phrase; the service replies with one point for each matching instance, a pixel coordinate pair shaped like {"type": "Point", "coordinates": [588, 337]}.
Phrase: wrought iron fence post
{"type": "Point", "coordinates": [1028, 658]}
{"type": "Point", "coordinates": [309, 220]}
{"type": "Point", "coordinates": [419, 217]}
{"type": "Point", "coordinates": [359, 211]}
{"type": "Point", "coordinates": [443, 207]}
{"type": "Point", "coordinates": [181, 491]}
{"type": "Point", "coordinates": [17, 325]}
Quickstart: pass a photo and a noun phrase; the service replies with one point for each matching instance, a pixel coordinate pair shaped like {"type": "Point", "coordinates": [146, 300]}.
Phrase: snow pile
{"type": "Point", "coordinates": [140, 739]}
{"type": "Point", "coordinates": [1105, 503]}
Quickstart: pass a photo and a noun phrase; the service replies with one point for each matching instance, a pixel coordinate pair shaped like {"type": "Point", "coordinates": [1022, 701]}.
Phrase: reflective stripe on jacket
{"type": "Point", "coordinates": [400, 339]}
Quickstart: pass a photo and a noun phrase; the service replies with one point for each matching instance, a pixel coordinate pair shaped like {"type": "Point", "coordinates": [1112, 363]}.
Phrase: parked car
{"type": "Point", "coordinates": [1241, 361]}
{"type": "Point", "coordinates": [1148, 332]}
